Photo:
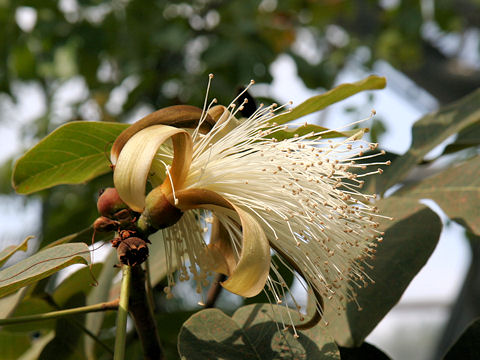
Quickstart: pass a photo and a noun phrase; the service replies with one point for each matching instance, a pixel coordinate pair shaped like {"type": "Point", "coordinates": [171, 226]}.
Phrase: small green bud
{"type": "Point", "coordinates": [159, 213]}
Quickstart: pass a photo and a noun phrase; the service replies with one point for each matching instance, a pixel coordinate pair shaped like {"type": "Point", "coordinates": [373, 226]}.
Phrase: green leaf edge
{"type": "Point", "coordinates": [12, 249]}
{"type": "Point", "coordinates": [79, 256]}
{"type": "Point", "coordinates": [339, 93]}
{"type": "Point", "coordinates": [19, 186]}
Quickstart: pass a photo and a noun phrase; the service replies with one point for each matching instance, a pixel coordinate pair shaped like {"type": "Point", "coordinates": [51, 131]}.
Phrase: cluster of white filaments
{"type": "Point", "coordinates": [304, 191]}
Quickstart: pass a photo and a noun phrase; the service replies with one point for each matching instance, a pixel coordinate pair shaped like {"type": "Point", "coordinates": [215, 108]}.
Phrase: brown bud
{"type": "Point", "coordinates": [132, 251]}
{"type": "Point", "coordinates": [109, 202]}
{"type": "Point", "coordinates": [159, 213]}
{"type": "Point", "coordinates": [104, 224]}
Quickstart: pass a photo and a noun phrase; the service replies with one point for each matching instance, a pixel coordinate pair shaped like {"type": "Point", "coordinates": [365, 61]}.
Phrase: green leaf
{"type": "Point", "coordinates": [74, 153]}
{"type": "Point", "coordinates": [171, 323]}
{"type": "Point", "coordinates": [6, 253]}
{"type": "Point", "coordinates": [41, 265]}
{"type": "Point", "coordinates": [79, 281]}
{"type": "Point", "coordinates": [467, 346]}
{"type": "Point", "coordinates": [37, 347]}
{"type": "Point", "coordinates": [32, 306]}
{"type": "Point", "coordinates": [430, 131]}
{"type": "Point", "coordinates": [468, 137]}
{"type": "Point", "coordinates": [311, 128]}
{"type": "Point", "coordinates": [10, 302]}
{"type": "Point", "coordinates": [67, 345]}
{"type": "Point", "coordinates": [254, 332]}
{"type": "Point", "coordinates": [13, 345]}
{"type": "Point", "coordinates": [100, 293]}
{"type": "Point", "coordinates": [341, 92]}
{"type": "Point", "coordinates": [456, 190]}
{"type": "Point", "coordinates": [409, 241]}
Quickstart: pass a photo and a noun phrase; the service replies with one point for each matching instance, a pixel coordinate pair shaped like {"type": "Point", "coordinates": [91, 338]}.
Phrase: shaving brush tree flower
{"type": "Point", "coordinates": [297, 196]}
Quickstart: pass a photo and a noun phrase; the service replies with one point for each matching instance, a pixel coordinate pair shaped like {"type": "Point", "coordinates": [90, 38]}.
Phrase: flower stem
{"type": "Point", "coordinates": [142, 314]}
{"type": "Point", "coordinates": [111, 305]}
{"type": "Point", "coordinates": [121, 335]}
{"type": "Point", "coordinates": [214, 291]}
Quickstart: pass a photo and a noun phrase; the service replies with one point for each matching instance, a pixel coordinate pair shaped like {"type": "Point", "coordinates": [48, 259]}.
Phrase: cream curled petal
{"type": "Point", "coordinates": [180, 116]}
{"type": "Point", "coordinates": [135, 160]}
{"type": "Point", "coordinates": [247, 273]}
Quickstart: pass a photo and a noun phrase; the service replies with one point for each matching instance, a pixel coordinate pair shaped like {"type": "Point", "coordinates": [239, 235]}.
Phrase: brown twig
{"type": "Point", "coordinates": [214, 291]}
{"type": "Point", "coordinates": [142, 315]}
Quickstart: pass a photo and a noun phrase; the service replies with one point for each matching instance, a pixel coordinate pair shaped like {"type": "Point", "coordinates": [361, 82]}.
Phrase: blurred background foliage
{"type": "Point", "coordinates": [130, 56]}
{"type": "Point", "coordinates": [127, 57]}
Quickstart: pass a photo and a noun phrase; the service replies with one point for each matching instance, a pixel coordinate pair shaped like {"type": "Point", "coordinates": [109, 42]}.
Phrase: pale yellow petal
{"type": "Point", "coordinates": [135, 159]}
{"type": "Point", "coordinates": [248, 275]}
{"type": "Point", "coordinates": [179, 116]}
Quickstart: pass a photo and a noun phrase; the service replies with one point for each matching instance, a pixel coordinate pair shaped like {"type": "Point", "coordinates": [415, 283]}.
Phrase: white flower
{"type": "Point", "coordinates": [297, 196]}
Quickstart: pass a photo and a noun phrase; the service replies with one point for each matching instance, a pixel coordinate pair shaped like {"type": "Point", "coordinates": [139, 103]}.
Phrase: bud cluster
{"type": "Point", "coordinates": [115, 215]}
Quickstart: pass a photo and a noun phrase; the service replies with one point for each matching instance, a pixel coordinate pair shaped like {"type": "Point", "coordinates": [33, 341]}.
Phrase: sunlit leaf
{"type": "Point", "coordinates": [72, 154]}
{"type": "Point", "coordinates": [430, 131]}
{"type": "Point", "coordinates": [253, 332]}
{"type": "Point", "coordinates": [10, 302]}
{"type": "Point", "coordinates": [79, 281]}
{"type": "Point", "coordinates": [6, 253]}
{"type": "Point", "coordinates": [41, 265]}
{"type": "Point", "coordinates": [456, 190]}
{"type": "Point", "coordinates": [409, 241]}
{"type": "Point", "coordinates": [341, 92]}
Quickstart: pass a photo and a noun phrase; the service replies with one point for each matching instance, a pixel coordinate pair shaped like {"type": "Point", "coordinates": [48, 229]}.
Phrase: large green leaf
{"type": "Point", "coordinates": [32, 306]}
{"type": "Point", "coordinates": [74, 153]}
{"type": "Point", "coordinates": [468, 137]}
{"type": "Point", "coordinates": [13, 345]}
{"type": "Point", "coordinates": [10, 302]}
{"type": "Point", "coordinates": [408, 243]}
{"type": "Point", "coordinates": [467, 346]}
{"type": "Point", "coordinates": [254, 332]}
{"type": "Point", "coordinates": [6, 253]}
{"type": "Point", "coordinates": [456, 190]}
{"type": "Point", "coordinates": [319, 102]}
{"type": "Point", "coordinates": [79, 281]}
{"type": "Point", "coordinates": [429, 132]}
{"type": "Point", "coordinates": [41, 265]}
{"type": "Point", "coordinates": [67, 345]}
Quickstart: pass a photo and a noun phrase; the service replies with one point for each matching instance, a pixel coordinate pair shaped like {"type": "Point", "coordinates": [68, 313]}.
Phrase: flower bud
{"type": "Point", "coordinates": [109, 202]}
{"type": "Point", "coordinates": [132, 251]}
{"type": "Point", "coordinates": [104, 224]}
{"type": "Point", "coordinates": [159, 213]}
